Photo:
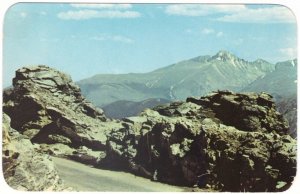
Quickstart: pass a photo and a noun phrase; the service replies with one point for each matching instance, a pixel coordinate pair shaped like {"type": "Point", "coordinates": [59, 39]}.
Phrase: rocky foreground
{"type": "Point", "coordinates": [224, 141]}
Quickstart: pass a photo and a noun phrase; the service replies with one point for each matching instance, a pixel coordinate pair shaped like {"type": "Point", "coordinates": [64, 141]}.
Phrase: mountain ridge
{"type": "Point", "coordinates": [192, 77]}
{"type": "Point", "coordinates": [281, 82]}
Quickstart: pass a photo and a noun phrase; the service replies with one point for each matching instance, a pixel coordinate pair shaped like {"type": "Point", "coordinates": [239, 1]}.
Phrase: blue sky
{"type": "Point", "coordinates": [86, 39]}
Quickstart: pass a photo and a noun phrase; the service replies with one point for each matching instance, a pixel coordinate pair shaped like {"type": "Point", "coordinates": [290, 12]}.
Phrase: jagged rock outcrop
{"type": "Point", "coordinates": [25, 169]}
{"type": "Point", "coordinates": [47, 107]}
{"type": "Point", "coordinates": [224, 141]}
{"type": "Point", "coordinates": [246, 112]}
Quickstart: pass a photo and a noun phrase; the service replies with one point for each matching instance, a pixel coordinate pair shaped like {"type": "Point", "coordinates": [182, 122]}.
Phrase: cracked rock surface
{"type": "Point", "coordinates": [47, 107]}
{"type": "Point", "coordinates": [24, 167]}
{"type": "Point", "coordinates": [224, 141]}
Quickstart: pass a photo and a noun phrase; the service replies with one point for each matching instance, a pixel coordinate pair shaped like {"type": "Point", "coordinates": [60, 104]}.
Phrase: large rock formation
{"type": "Point", "coordinates": [23, 167]}
{"type": "Point", "coordinates": [224, 141]}
{"type": "Point", "coordinates": [47, 107]}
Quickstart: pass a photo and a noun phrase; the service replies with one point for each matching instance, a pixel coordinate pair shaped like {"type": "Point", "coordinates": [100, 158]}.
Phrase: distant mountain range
{"type": "Point", "coordinates": [126, 95]}
{"type": "Point", "coordinates": [282, 82]}
{"type": "Point", "coordinates": [193, 77]}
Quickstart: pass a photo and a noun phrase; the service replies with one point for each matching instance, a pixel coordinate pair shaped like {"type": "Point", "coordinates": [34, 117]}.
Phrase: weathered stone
{"type": "Point", "coordinates": [226, 141]}
{"type": "Point", "coordinates": [51, 118]}
{"type": "Point", "coordinates": [59, 139]}
{"type": "Point", "coordinates": [223, 141]}
{"type": "Point", "coordinates": [23, 168]}
{"type": "Point", "coordinates": [246, 112]}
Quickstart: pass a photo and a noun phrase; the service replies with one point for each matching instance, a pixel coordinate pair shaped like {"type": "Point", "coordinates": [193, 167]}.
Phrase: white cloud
{"type": "Point", "coordinates": [23, 14]}
{"type": "Point", "coordinates": [210, 31]}
{"type": "Point", "coordinates": [219, 34]}
{"type": "Point", "coordinates": [49, 39]}
{"type": "Point", "coordinates": [91, 11]}
{"type": "Point", "coordinates": [91, 14]}
{"type": "Point", "coordinates": [234, 13]}
{"type": "Point", "coordinates": [202, 10]}
{"type": "Point", "coordinates": [43, 13]}
{"type": "Point", "coordinates": [261, 15]}
{"type": "Point", "coordinates": [238, 41]}
{"type": "Point", "coordinates": [288, 53]}
{"type": "Point", "coordinates": [114, 38]}
{"type": "Point", "coordinates": [207, 31]}
{"type": "Point", "coordinates": [102, 6]}
{"type": "Point", "coordinates": [188, 31]}
{"type": "Point", "coordinates": [122, 39]}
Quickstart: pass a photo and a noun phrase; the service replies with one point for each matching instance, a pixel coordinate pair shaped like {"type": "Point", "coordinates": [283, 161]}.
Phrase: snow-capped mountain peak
{"type": "Point", "coordinates": [224, 56]}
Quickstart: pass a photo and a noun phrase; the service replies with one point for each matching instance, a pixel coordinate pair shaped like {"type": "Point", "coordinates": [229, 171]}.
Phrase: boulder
{"type": "Point", "coordinates": [47, 107]}
{"type": "Point", "coordinates": [25, 169]}
{"type": "Point", "coordinates": [245, 111]}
